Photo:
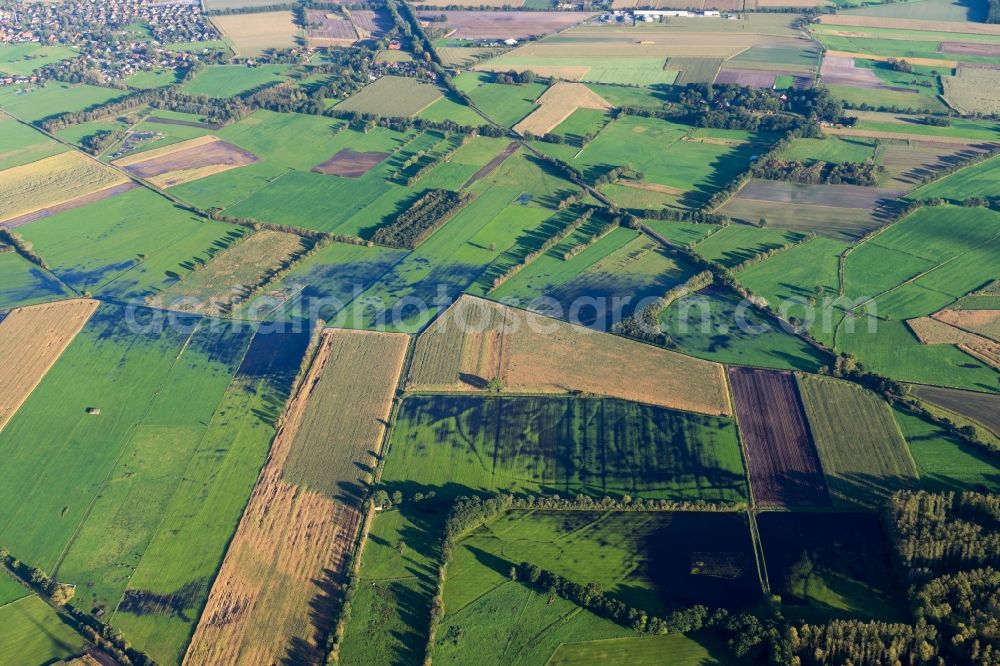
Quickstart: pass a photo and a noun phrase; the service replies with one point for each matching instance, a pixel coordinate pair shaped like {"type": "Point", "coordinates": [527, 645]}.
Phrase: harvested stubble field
{"type": "Point", "coordinates": [273, 596]}
{"type": "Point", "coordinates": [860, 446]}
{"type": "Point", "coordinates": [504, 25]}
{"type": "Point", "coordinates": [231, 276]}
{"type": "Point", "coordinates": [784, 467]}
{"type": "Point", "coordinates": [31, 340]}
{"type": "Point", "coordinates": [967, 48]}
{"type": "Point", "coordinates": [973, 90]}
{"type": "Point", "coordinates": [476, 341]}
{"type": "Point", "coordinates": [931, 331]}
{"type": "Point", "coordinates": [350, 163]}
{"type": "Point", "coordinates": [557, 104]}
{"type": "Point", "coordinates": [186, 161]}
{"type": "Point", "coordinates": [51, 182]}
{"type": "Point", "coordinates": [981, 322]}
{"type": "Point", "coordinates": [392, 96]}
{"type": "Point", "coordinates": [983, 408]}
{"type": "Point", "coordinates": [252, 34]}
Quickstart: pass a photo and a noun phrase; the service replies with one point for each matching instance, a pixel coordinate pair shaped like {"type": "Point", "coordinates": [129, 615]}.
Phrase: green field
{"type": "Point", "coordinates": [34, 634]}
{"type": "Point", "coordinates": [231, 80]}
{"type": "Point", "coordinates": [713, 325]}
{"type": "Point", "coordinates": [792, 277]}
{"type": "Point", "coordinates": [108, 250]}
{"type": "Point", "coordinates": [24, 283]}
{"type": "Point", "coordinates": [862, 452]}
{"type": "Point", "coordinates": [161, 475]}
{"type": "Point", "coordinates": [455, 444]}
{"type": "Point", "coordinates": [831, 149]}
{"type": "Point", "coordinates": [21, 144]}
{"type": "Point", "coordinates": [506, 104]}
{"type": "Point", "coordinates": [23, 59]}
{"type": "Point", "coordinates": [695, 168]}
{"type": "Point", "coordinates": [928, 10]}
{"type": "Point", "coordinates": [447, 109]}
{"type": "Point", "coordinates": [740, 242]}
{"type": "Point", "coordinates": [925, 261]}
{"type": "Point", "coordinates": [389, 614]}
{"type": "Point", "coordinates": [34, 102]}
{"type": "Point", "coordinates": [153, 78]}
{"type": "Point", "coordinates": [945, 462]}
{"type": "Point", "coordinates": [392, 96]}
{"type": "Point", "coordinates": [880, 97]}
{"type": "Point", "coordinates": [622, 265]}
{"type": "Point", "coordinates": [684, 650]}
{"type": "Point", "coordinates": [976, 181]}
{"type": "Point", "coordinates": [510, 203]}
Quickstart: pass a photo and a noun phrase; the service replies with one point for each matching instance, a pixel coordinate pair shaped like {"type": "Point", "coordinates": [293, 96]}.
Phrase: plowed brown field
{"type": "Point", "coordinates": [784, 467]}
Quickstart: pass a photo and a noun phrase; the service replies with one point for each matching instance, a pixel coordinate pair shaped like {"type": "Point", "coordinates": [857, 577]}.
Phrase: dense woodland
{"type": "Point", "coordinates": [421, 219]}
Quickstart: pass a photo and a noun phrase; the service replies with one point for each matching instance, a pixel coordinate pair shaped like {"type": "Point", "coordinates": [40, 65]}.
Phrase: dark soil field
{"type": "Point", "coordinates": [374, 24]}
{"type": "Point", "coordinates": [831, 565]}
{"type": "Point", "coordinates": [967, 48]}
{"type": "Point", "coordinates": [757, 78]}
{"type": "Point", "coordinates": [503, 25]}
{"type": "Point", "coordinates": [981, 407]}
{"type": "Point", "coordinates": [350, 163]}
{"type": "Point", "coordinates": [837, 70]}
{"type": "Point", "coordinates": [842, 196]}
{"type": "Point", "coordinates": [195, 157]}
{"type": "Point", "coordinates": [784, 466]}
{"type": "Point", "coordinates": [325, 25]}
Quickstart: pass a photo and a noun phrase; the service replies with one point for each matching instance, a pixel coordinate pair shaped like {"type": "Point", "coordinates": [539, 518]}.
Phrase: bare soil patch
{"type": "Point", "coordinates": [747, 77]}
{"type": "Point", "coordinates": [477, 340]}
{"type": "Point", "coordinates": [329, 29]}
{"type": "Point", "coordinates": [504, 25]}
{"type": "Point", "coordinates": [981, 407]}
{"type": "Point", "coordinates": [557, 104]}
{"type": "Point", "coordinates": [783, 463]}
{"type": "Point", "coordinates": [839, 196]}
{"type": "Point", "coordinates": [31, 340]}
{"type": "Point", "coordinates": [186, 161]}
{"type": "Point", "coordinates": [910, 164]}
{"type": "Point", "coordinates": [371, 24]}
{"type": "Point", "coordinates": [840, 70]}
{"type": "Point", "coordinates": [350, 163]}
{"type": "Point", "coordinates": [970, 48]}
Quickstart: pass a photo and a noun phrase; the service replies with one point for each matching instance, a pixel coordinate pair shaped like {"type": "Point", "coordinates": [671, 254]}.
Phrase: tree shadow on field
{"type": "Point", "coordinates": [324, 609]}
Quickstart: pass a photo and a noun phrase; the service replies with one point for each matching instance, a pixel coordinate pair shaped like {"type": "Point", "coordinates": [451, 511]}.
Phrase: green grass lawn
{"type": "Point", "coordinates": [863, 455]}
{"type": "Point", "coordinates": [713, 325]}
{"type": "Point", "coordinates": [11, 589]}
{"type": "Point", "coordinates": [231, 80]}
{"type": "Point", "coordinates": [153, 78]}
{"type": "Point", "coordinates": [457, 444]}
{"type": "Point", "coordinates": [739, 242]}
{"type": "Point", "coordinates": [34, 634]}
{"type": "Point", "coordinates": [684, 650]}
{"type": "Point", "coordinates": [32, 102]}
{"type": "Point", "coordinates": [976, 181]}
{"type": "Point", "coordinates": [506, 104]}
{"type": "Point", "coordinates": [24, 283]}
{"type": "Point", "coordinates": [23, 59]}
{"type": "Point", "coordinates": [831, 149]}
{"type": "Point", "coordinates": [106, 249]}
{"type": "Point", "coordinates": [944, 462]}
{"type": "Point", "coordinates": [21, 144]}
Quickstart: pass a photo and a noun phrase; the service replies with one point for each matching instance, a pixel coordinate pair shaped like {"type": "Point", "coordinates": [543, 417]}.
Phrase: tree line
{"type": "Point", "coordinates": [420, 220]}
{"type": "Point", "coordinates": [865, 173]}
